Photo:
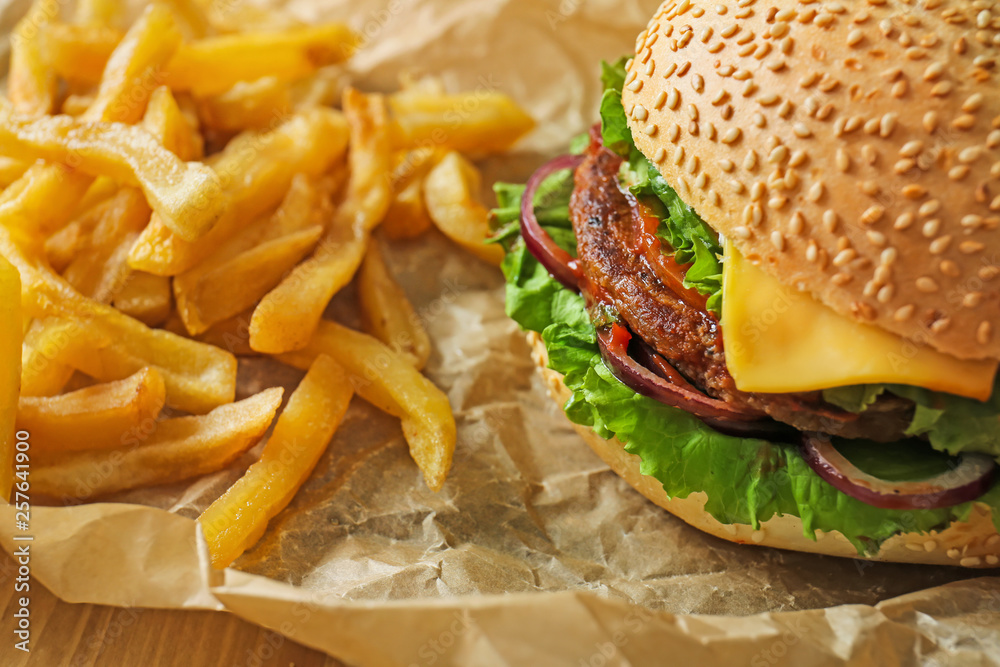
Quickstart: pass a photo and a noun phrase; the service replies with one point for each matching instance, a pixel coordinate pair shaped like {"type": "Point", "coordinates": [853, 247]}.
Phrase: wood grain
{"type": "Point", "coordinates": [86, 635]}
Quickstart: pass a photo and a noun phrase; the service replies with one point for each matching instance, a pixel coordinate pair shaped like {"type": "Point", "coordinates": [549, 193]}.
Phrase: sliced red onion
{"type": "Point", "coordinates": [967, 481]}
{"type": "Point", "coordinates": [646, 382]}
{"type": "Point", "coordinates": [555, 260]}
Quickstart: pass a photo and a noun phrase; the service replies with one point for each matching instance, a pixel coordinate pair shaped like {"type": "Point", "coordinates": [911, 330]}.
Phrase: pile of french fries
{"type": "Point", "coordinates": [180, 192]}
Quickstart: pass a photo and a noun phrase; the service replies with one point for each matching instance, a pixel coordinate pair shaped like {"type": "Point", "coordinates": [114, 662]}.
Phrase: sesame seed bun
{"type": "Point", "coordinates": [972, 543]}
{"type": "Point", "coordinates": [854, 150]}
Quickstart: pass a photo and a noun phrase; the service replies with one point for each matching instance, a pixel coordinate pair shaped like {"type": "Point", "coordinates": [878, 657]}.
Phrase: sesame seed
{"type": "Point", "coordinates": [930, 545]}
{"type": "Point", "coordinates": [877, 239]}
{"type": "Point", "coordinates": [973, 103]}
{"type": "Point", "coordinates": [993, 139]}
{"type": "Point", "coordinates": [885, 294]}
{"type": "Point", "coordinates": [964, 122]}
{"type": "Point", "coordinates": [670, 69]}
{"type": "Point", "coordinates": [969, 155]}
{"type": "Point", "coordinates": [992, 559]}
{"type": "Point", "coordinates": [661, 155]}
{"type": "Point", "coordinates": [926, 284]}
{"type": "Point", "coordinates": [635, 86]}
{"type": "Point", "coordinates": [949, 268]}
{"type": "Point", "coordinates": [972, 299]}
{"type": "Point", "coordinates": [953, 553]}
{"type": "Point", "coordinates": [887, 124]}
{"type": "Point", "coordinates": [904, 313]}
{"type": "Point", "coordinates": [727, 165]}
{"type": "Point", "coordinates": [731, 135]}
{"type": "Point", "coordinates": [816, 191]}
{"type": "Point", "coordinates": [741, 232]}
{"type": "Point", "coordinates": [941, 89]}
{"type": "Point", "coordinates": [844, 257]}
{"type": "Point", "coordinates": [933, 71]}
{"type": "Point", "coordinates": [639, 112]}
{"type": "Point", "coordinates": [778, 241]}
{"type": "Point", "coordinates": [903, 221]}
{"type": "Point", "coordinates": [940, 244]}
{"type": "Point", "coordinates": [674, 132]}
{"type": "Point", "coordinates": [854, 37]}
{"type": "Point", "coordinates": [679, 156]}
{"type": "Point", "coordinates": [750, 161]}
{"type": "Point", "coordinates": [970, 247]}
{"type": "Point", "coordinates": [841, 279]}
{"type": "Point", "coordinates": [929, 208]}
{"type": "Point", "coordinates": [984, 332]}
{"type": "Point", "coordinates": [673, 99]}
{"type": "Point", "coordinates": [913, 191]}
{"type": "Point", "coordinates": [903, 166]}
{"type": "Point", "coordinates": [758, 119]}
{"type": "Point", "coordinates": [650, 129]}
{"type": "Point", "coordinates": [777, 202]}
{"type": "Point", "coordinates": [778, 155]}
{"type": "Point", "coordinates": [931, 228]}
{"type": "Point", "coordinates": [698, 83]}
{"type": "Point", "coordinates": [801, 130]}
{"type": "Point", "coordinates": [930, 121]}
{"type": "Point", "coordinates": [913, 546]}
{"type": "Point", "coordinates": [830, 220]}
{"type": "Point", "coordinates": [911, 148]}
{"type": "Point", "coordinates": [692, 165]}
{"type": "Point", "coordinates": [888, 256]}
{"type": "Point", "coordinates": [970, 561]}
{"type": "Point", "coordinates": [958, 173]}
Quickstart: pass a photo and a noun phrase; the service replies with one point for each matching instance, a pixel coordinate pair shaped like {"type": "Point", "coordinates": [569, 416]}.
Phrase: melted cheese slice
{"type": "Point", "coordinates": [781, 340]}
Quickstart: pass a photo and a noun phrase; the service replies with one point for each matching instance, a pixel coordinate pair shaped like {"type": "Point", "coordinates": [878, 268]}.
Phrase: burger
{"type": "Point", "coordinates": [766, 286]}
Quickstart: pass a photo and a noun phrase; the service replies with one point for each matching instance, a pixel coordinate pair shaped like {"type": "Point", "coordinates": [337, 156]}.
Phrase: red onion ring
{"type": "Point", "coordinates": [644, 381]}
{"type": "Point", "coordinates": [556, 261]}
{"type": "Point", "coordinates": [970, 479]}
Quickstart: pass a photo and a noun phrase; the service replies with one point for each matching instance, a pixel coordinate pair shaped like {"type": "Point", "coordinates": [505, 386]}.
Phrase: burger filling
{"type": "Point", "coordinates": [647, 265]}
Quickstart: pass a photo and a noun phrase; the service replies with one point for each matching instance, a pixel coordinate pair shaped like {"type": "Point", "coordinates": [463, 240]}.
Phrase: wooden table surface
{"type": "Point", "coordinates": [84, 635]}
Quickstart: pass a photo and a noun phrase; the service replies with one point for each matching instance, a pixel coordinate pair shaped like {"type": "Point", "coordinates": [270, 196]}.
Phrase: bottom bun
{"type": "Point", "coordinates": [972, 543]}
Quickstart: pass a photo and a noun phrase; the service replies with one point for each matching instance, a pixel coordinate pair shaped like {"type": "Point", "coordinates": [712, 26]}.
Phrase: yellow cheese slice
{"type": "Point", "coordinates": [779, 339]}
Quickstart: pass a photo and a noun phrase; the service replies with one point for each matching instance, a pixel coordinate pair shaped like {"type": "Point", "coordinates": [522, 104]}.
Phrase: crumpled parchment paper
{"type": "Point", "coordinates": [534, 552]}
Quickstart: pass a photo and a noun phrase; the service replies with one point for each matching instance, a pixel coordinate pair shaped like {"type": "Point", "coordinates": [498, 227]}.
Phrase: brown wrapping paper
{"type": "Point", "coordinates": [534, 553]}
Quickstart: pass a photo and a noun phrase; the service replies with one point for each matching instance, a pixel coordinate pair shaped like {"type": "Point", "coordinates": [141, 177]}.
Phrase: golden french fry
{"type": "Point", "coordinates": [45, 197]}
{"type": "Point", "coordinates": [135, 66]}
{"type": "Point", "coordinates": [31, 84]}
{"type": "Point", "coordinates": [41, 373]}
{"type": "Point", "coordinates": [386, 380]}
{"type": "Point", "coordinates": [213, 65]}
{"type": "Point", "coordinates": [232, 335]}
{"type": "Point", "coordinates": [235, 521]}
{"type": "Point", "coordinates": [145, 297]}
{"type": "Point", "coordinates": [165, 121]}
{"type": "Point", "coordinates": [97, 417]}
{"type": "Point", "coordinates": [240, 283]}
{"type": "Point", "coordinates": [324, 88]}
{"type": "Point", "coordinates": [176, 450]}
{"type": "Point", "coordinates": [11, 170]}
{"type": "Point", "coordinates": [478, 122]}
{"type": "Point", "coordinates": [100, 189]}
{"type": "Point", "coordinates": [78, 53]}
{"type": "Point", "coordinates": [286, 318]}
{"type": "Point", "coordinates": [11, 331]}
{"type": "Point", "coordinates": [100, 269]}
{"type": "Point", "coordinates": [451, 192]}
{"type": "Point", "coordinates": [256, 169]}
{"type": "Point", "coordinates": [386, 312]}
{"type": "Point", "coordinates": [108, 345]}
{"type": "Point", "coordinates": [407, 216]}
{"type": "Point", "coordinates": [185, 195]}
{"type": "Point", "coordinates": [246, 106]}
{"type": "Point", "coordinates": [108, 13]}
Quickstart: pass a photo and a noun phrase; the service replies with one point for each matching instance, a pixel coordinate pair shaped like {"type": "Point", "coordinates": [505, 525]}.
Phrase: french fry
{"type": "Point", "coordinates": [240, 283]}
{"type": "Point", "coordinates": [185, 195]}
{"type": "Point", "coordinates": [99, 270]}
{"type": "Point", "coordinates": [146, 298]}
{"type": "Point", "coordinates": [135, 66]}
{"type": "Point", "coordinates": [256, 170]}
{"type": "Point", "coordinates": [235, 521]}
{"type": "Point", "coordinates": [388, 381]}
{"type": "Point", "coordinates": [97, 417]}
{"type": "Point", "coordinates": [286, 318]}
{"type": "Point", "coordinates": [232, 335]}
{"type": "Point", "coordinates": [108, 13]}
{"type": "Point", "coordinates": [108, 345]}
{"type": "Point", "coordinates": [11, 170]}
{"type": "Point", "coordinates": [451, 192]}
{"type": "Point", "coordinates": [31, 84]}
{"type": "Point", "coordinates": [479, 122]}
{"type": "Point", "coordinates": [407, 216]}
{"type": "Point", "coordinates": [165, 121]}
{"type": "Point", "coordinates": [178, 449]}
{"type": "Point", "coordinates": [41, 373]}
{"type": "Point", "coordinates": [246, 106]}
{"type": "Point", "coordinates": [386, 312]}
{"type": "Point", "coordinates": [45, 197]}
{"type": "Point", "coordinates": [78, 53]}
{"type": "Point", "coordinates": [11, 332]}
{"type": "Point", "coordinates": [213, 65]}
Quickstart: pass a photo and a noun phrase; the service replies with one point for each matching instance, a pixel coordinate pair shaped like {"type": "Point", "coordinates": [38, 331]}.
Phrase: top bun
{"type": "Point", "coordinates": [852, 149]}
